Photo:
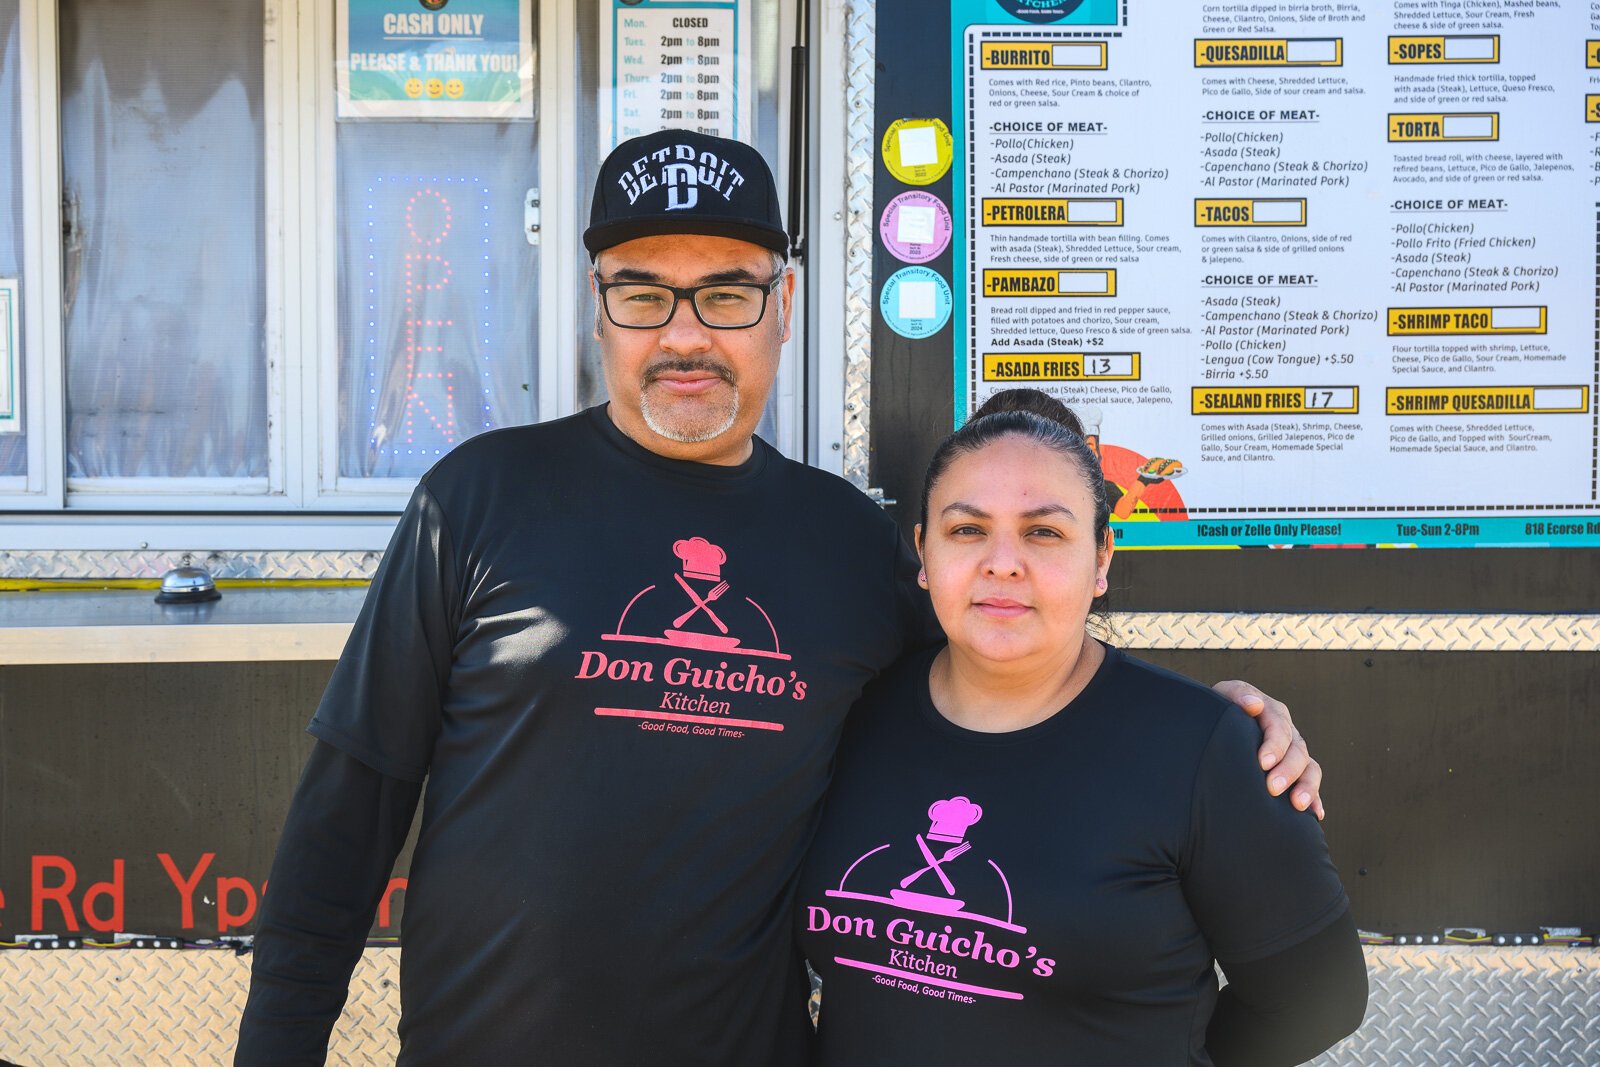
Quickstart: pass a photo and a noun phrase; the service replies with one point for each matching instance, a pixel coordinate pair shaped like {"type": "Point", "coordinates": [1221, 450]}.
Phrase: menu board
{"type": "Point", "coordinates": [675, 64]}
{"type": "Point", "coordinates": [1313, 273]}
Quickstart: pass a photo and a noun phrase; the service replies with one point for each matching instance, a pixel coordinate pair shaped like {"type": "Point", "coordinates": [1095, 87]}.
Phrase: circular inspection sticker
{"type": "Point", "coordinates": [917, 151]}
{"type": "Point", "coordinates": [915, 302]}
{"type": "Point", "coordinates": [915, 227]}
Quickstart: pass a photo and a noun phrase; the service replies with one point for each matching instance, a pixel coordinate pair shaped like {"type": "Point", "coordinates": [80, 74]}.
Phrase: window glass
{"type": "Point", "coordinates": [438, 289]}
{"type": "Point", "coordinates": [765, 16]}
{"type": "Point", "coordinates": [13, 446]}
{"type": "Point", "coordinates": [161, 127]}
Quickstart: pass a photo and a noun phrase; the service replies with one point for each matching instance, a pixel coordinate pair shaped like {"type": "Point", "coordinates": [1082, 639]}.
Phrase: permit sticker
{"type": "Point", "coordinates": [918, 148]}
{"type": "Point", "coordinates": [915, 227]}
{"type": "Point", "coordinates": [915, 302]}
{"type": "Point", "coordinates": [917, 151]}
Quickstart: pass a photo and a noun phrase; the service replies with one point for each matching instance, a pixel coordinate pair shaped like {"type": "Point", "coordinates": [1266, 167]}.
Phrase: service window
{"type": "Point", "coordinates": [437, 163]}
{"type": "Point", "coordinates": [437, 311]}
{"type": "Point", "coordinates": [300, 241]}
{"type": "Point", "coordinates": [164, 257]}
{"type": "Point", "coordinates": [13, 425]}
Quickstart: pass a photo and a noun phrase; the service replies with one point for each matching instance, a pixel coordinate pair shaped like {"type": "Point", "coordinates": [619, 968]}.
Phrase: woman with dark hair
{"type": "Point", "coordinates": [988, 886]}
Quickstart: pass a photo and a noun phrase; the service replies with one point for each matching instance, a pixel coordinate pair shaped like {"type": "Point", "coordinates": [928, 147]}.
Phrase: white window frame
{"type": "Point", "coordinates": [324, 487]}
{"type": "Point", "coordinates": [38, 81]}
{"type": "Point", "coordinates": [269, 493]}
{"type": "Point", "coordinates": [828, 238]}
{"type": "Point", "coordinates": [301, 504]}
{"type": "Point", "coordinates": [790, 387]}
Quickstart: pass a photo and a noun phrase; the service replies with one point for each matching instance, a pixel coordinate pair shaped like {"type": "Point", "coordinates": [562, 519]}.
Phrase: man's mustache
{"type": "Point", "coordinates": [687, 366]}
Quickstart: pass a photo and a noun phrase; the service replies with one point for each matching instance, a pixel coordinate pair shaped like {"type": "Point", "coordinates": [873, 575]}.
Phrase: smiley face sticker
{"type": "Point", "coordinates": [413, 87]}
{"type": "Point", "coordinates": [453, 88]}
{"type": "Point", "coordinates": [435, 88]}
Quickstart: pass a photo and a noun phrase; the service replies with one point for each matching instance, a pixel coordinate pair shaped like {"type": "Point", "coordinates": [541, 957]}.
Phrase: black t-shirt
{"type": "Point", "coordinates": [1029, 897]}
{"type": "Point", "coordinates": [624, 678]}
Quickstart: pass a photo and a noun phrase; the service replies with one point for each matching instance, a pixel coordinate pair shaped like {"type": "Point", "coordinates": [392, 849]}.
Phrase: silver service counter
{"type": "Point", "coordinates": [128, 626]}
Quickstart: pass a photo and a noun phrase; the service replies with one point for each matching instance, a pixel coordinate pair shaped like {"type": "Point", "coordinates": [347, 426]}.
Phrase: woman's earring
{"type": "Point", "coordinates": [922, 579]}
{"type": "Point", "coordinates": [1099, 585]}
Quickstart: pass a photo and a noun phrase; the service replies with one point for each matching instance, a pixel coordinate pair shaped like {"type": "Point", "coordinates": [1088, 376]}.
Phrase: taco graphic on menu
{"type": "Point", "coordinates": [1139, 487]}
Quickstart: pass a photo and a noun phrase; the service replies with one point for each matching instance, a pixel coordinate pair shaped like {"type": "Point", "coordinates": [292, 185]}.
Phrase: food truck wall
{"type": "Point", "coordinates": [1430, 679]}
{"type": "Point", "coordinates": [145, 768]}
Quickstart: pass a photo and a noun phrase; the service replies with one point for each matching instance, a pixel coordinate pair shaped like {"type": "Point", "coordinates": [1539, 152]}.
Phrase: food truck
{"type": "Point", "coordinates": [1320, 278]}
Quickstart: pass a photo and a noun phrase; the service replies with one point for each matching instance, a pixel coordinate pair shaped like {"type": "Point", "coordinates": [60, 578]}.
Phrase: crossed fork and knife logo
{"type": "Point", "coordinates": [935, 865]}
{"type": "Point", "coordinates": [701, 603]}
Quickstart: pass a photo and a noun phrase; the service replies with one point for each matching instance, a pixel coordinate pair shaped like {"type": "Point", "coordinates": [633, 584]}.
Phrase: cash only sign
{"type": "Point", "coordinates": [1315, 274]}
{"type": "Point", "coordinates": [435, 59]}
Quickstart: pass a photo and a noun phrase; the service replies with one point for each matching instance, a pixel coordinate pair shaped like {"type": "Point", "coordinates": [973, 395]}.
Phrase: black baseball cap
{"type": "Point", "coordinates": [679, 181]}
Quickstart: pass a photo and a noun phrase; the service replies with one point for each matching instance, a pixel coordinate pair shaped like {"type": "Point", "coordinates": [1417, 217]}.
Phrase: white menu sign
{"type": "Point", "coordinates": [667, 64]}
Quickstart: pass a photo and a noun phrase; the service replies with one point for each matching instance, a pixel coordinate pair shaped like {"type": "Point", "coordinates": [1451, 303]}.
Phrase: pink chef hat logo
{"type": "Point", "coordinates": [701, 558]}
{"type": "Point", "coordinates": [951, 818]}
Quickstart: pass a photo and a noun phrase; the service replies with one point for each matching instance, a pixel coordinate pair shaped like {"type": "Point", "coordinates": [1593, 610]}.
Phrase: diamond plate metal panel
{"type": "Point", "coordinates": [1483, 1008]}
{"type": "Point", "coordinates": [1440, 1007]}
{"type": "Point", "coordinates": [860, 154]}
{"type": "Point", "coordinates": [79, 564]}
{"type": "Point", "coordinates": [131, 1006]}
{"type": "Point", "coordinates": [1176, 630]}
{"type": "Point", "coordinates": [1378, 633]}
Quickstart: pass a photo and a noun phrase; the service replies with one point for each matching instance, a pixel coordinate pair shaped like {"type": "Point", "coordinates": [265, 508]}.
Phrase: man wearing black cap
{"type": "Point", "coordinates": [619, 648]}
{"type": "Point", "coordinates": [671, 210]}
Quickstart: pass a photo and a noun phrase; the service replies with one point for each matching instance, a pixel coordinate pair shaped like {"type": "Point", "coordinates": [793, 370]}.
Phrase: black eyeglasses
{"type": "Point", "coordinates": [718, 306]}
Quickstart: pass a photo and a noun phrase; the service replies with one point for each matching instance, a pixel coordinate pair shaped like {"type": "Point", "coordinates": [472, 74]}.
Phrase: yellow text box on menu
{"type": "Point", "coordinates": [1060, 366]}
{"type": "Point", "coordinates": [1005, 211]}
{"type": "Point", "coordinates": [1262, 211]}
{"type": "Point", "coordinates": [1042, 55]}
{"type": "Point", "coordinates": [1488, 400]}
{"type": "Point", "coordinates": [1469, 321]}
{"type": "Point", "coordinates": [1442, 126]}
{"type": "Point", "coordinates": [1453, 48]}
{"type": "Point", "coordinates": [1275, 400]}
{"type": "Point", "coordinates": [1069, 283]}
{"type": "Point", "coordinates": [1269, 51]}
